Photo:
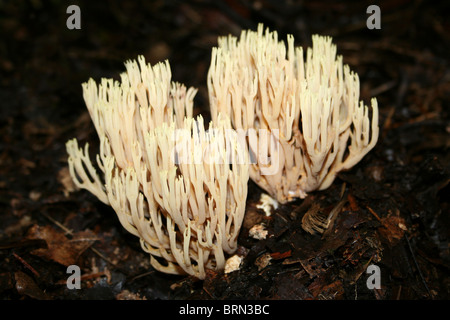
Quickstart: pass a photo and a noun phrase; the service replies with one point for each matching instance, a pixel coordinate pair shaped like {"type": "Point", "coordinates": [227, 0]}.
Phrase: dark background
{"type": "Point", "coordinates": [396, 211]}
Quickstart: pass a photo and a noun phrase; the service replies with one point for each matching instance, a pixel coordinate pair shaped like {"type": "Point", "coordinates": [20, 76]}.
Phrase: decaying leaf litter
{"type": "Point", "coordinates": [394, 209]}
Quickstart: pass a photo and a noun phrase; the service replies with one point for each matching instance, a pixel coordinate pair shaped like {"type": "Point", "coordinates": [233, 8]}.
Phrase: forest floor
{"type": "Point", "coordinates": [392, 209]}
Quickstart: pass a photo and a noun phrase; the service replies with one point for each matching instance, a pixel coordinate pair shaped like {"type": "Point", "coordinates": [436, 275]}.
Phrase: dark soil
{"type": "Point", "coordinates": [395, 202]}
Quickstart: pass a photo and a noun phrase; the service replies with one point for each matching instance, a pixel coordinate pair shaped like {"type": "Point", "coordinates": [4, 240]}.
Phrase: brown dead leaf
{"type": "Point", "coordinates": [320, 289]}
{"type": "Point", "coordinates": [127, 295]}
{"type": "Point", "coordinates": [392, 228]}
{"type": "Point", "coordinates": [352, 201]}
{"type": "Point", "coordinates": [60, 248]}
{"type": "Point", "coordinates": [281, 255]}
{"type": "Point", "coordinates": [25, 285]}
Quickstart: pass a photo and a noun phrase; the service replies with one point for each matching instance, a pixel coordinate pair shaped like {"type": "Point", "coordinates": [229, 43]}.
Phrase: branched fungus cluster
{"type": "Point", "coordinates": [302, 116]}
{"type": "Point", "coordinates": [186, 211]}
{"type": "Point", "coordinates": [289, 123]}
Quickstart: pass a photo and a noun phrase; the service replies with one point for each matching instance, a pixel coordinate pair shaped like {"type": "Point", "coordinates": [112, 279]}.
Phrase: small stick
{"type": "Point", "coordinates": [417, 266]}
{"type": "Point", "coordinates": [26, 264]}
{"type": "Point", "coordinates": [374, 213]}
{"type": "Point", "coordinates": [102, 256]}
{"type": "Point", "coordinates": [59, 224]}
{"type": "Point", "coordinates": [85, 277]}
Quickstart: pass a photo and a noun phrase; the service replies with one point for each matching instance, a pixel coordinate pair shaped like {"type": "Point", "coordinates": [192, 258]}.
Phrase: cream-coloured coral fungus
{"type": "Point", "coordinates": [301, 116]}
{"type": "Point", "coordinates": [178, 187]}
